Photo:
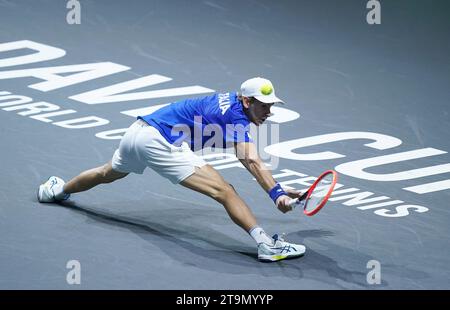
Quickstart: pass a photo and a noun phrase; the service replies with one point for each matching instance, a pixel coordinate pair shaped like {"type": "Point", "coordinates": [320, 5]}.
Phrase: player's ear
{"type": "Point", "coordinates": [246, 102]}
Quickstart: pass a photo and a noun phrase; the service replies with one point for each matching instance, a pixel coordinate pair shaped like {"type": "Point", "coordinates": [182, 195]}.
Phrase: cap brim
{"type": "Point", "coordinates": [269, 99]}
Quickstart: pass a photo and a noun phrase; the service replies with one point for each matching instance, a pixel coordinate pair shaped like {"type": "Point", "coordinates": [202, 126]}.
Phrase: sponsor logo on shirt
{"type": "Point", "coordinates": [224, 102]}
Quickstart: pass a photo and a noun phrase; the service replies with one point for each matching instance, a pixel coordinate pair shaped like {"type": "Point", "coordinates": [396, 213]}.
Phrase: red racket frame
{"type": "Point", "coordinates": [325, 199]}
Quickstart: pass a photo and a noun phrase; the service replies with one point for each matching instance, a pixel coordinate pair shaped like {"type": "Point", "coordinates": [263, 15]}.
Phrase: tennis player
{"type": "Point", "coordinates": [165, 140]}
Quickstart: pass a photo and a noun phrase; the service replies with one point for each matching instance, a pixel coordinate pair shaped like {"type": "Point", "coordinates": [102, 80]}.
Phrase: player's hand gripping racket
{"type": "Point", "coordinates": [317, 195]}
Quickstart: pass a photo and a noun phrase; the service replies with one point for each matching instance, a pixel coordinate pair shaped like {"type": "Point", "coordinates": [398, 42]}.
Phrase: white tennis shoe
{"type": "Point", "coordinates": [279, 250]}
{"type": "Point", "coordinates": [46, 191]}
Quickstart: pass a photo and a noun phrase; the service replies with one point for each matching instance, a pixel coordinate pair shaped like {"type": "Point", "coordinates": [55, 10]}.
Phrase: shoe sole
{"type": "Point", "coordinates": [276, 258]}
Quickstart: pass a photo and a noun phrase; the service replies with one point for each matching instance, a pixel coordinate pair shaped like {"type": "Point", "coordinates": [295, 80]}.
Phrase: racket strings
{"type": "Point", "coordinates": [319, 193]}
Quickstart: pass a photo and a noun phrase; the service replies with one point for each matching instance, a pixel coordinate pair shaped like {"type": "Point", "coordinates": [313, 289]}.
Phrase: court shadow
{"type": "Point", "coordinates": [186, 235]}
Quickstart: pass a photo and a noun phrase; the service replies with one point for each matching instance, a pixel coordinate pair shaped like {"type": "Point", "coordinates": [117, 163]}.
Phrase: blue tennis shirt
{"type": "Point", "coordinates": [212, 121]}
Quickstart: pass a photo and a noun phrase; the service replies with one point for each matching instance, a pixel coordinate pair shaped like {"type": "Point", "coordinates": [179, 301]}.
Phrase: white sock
{"type": "Point", "coordinates": [260, 235]}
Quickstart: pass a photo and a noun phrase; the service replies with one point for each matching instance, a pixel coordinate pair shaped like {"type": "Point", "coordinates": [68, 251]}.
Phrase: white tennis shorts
{"type": "Point", "coordinates": [143, 146]}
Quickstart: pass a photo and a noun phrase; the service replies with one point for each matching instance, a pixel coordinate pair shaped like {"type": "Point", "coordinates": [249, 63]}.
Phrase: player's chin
{"type": "Point", "coordinates": [259, 122]}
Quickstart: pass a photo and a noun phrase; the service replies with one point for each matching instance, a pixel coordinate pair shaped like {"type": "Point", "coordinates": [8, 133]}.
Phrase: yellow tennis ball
{"type": "Point", "coordinates": [266, 89]}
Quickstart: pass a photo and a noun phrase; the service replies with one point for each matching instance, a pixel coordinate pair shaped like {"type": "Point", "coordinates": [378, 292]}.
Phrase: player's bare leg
{"type": "Point", "coordinates": [54, 189]}
{"type": "Point", "coordinates": [93, 177]}
{"type": "Point", "coordinates": [208, 181]}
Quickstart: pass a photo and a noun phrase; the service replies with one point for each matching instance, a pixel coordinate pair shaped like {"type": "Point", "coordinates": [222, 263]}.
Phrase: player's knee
{"type": "Point", "coordinates": [223, 191]}
{"type": "Point", "coordinates": [105, 174]}
{"type": "Point", "coordinates": [100, 174]}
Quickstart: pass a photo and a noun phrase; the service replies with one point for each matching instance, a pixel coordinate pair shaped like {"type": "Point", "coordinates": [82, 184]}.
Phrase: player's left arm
{"type": "Point", "coordinates": [247, 154]}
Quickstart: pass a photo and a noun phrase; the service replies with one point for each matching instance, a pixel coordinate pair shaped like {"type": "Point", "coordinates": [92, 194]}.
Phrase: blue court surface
{"type": "Point", "coordinates": [370, 101]}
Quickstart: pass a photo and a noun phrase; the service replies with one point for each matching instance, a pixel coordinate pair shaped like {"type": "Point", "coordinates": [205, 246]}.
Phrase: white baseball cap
{"type": "Point", "coordinates": [261, 89]}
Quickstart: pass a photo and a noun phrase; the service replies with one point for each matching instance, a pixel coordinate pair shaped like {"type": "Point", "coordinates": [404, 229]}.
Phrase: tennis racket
{"type": "Point", "coordinates": [317, 195]}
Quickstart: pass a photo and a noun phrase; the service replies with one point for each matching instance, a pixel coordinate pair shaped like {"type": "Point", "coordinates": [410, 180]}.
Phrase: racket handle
{"type": "Point", "coordinates": [294, 203]}
{"type": "Point", "coordinates": [298, 201]}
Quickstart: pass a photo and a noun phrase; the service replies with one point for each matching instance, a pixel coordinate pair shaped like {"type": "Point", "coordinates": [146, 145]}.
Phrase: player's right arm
{"type": "Point", "coordinates": [247, 154]}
